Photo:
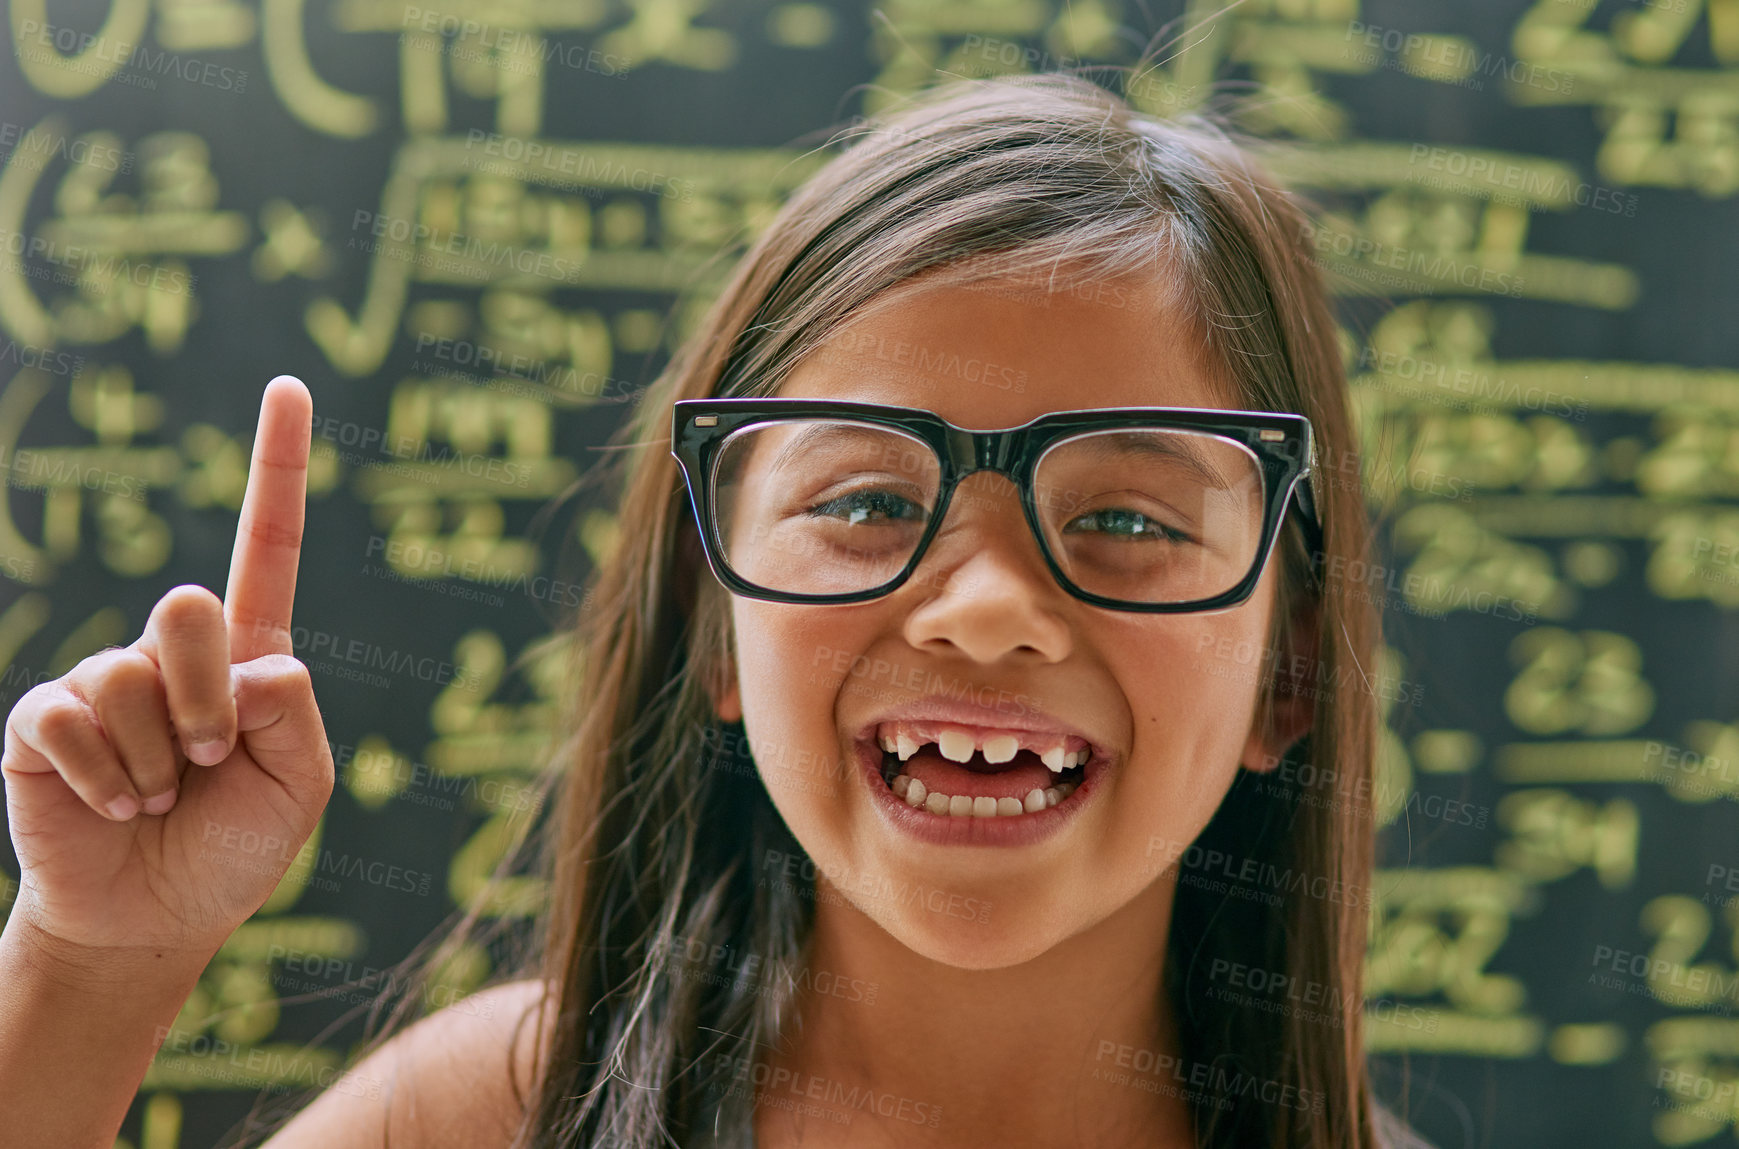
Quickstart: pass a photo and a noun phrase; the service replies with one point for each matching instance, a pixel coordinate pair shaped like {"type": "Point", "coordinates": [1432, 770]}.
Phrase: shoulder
{"type": "Point", "coordinates": [457, 1077]}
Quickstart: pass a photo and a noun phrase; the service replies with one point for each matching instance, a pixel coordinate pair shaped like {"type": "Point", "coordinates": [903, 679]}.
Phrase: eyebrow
{"type": "Point", "coordinates": [818, 434]}
{"type": "Point", "coordinates": [1176, 446]}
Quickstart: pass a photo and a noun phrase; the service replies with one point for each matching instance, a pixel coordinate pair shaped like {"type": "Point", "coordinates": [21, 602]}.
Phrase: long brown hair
{"type": "Point", "coordinates": [657, 829]}
{"type": "Point", "coordinates": [658, 814]}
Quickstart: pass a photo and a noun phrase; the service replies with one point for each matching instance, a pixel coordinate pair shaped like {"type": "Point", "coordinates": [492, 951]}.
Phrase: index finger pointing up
{"type": "Point", "coordinates": [268, 537]}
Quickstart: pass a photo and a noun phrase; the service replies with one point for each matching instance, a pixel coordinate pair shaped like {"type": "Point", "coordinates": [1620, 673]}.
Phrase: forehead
{"type": "Point", "coordinates": [999, 352]}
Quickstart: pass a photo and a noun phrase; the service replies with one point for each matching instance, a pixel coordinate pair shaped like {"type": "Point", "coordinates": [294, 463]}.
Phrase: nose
{"type": "Point", "coordinates": [994, 597]}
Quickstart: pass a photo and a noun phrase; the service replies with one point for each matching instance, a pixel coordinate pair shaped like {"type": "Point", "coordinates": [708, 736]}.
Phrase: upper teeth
{"type": "Point", "coordinates": [958, 743]}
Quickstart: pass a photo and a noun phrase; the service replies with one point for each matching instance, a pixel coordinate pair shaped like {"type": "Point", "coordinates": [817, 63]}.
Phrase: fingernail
{"type": "Point", "coordinates": [208, 753]}
{"type": "Point", "coordinates": [160, 803]}
{"type": "Point", "coordinates": [123, 808]}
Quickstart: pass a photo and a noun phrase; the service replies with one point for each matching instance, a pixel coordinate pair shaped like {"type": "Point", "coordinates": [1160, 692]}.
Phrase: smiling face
{"type": "Point", "coordinates": [1162, 701]}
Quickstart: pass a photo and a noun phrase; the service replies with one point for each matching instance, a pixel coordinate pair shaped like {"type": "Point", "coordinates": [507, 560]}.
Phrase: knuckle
{"type": "Point", "coordinates": [188, 605]}
{"type": "Point", "coordinates": [286, 670]}
{"type": "Point", "coordinates": [131, 674]}
{"type": "Point", "coordinates": [262, 629]}
{"type": "Point", "coordinates": [62, 718]}
{"type": "Point", "coordinates": [41, 695]}
{"type": "Point", "coordinates": [270, 532]}
{"type": "Point", "coordinates": [93, 667]}
{"type": "Point", "coordinates": [30, 721]}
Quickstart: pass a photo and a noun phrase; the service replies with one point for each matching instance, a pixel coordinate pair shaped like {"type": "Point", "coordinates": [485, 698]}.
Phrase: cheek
{"type": "Point", "coordinates": [780, 664]}
{"type": "Point", "coordinates": [775, 652]}
{"type": "Point", "coordinates": [1201, 672]}
{"type": "Point", "coordinates": [1192, 695]}
{"type": "Point", "coordinates": [1216, 669]}
{"type": "Point", "coordinates": [791, 662]}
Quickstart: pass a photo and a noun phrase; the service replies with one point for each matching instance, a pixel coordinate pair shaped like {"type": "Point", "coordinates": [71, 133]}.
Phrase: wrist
{"type": "Point", "coordinates": [79, 1027]}
{"type": "Point", "coordinates": [64, 961]}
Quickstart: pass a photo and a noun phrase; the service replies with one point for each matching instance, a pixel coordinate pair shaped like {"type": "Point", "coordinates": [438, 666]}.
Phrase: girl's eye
{"type": "Point", "coordinates": [870, 503]}
{"type": "Point", "coordinates": [1122, 523]}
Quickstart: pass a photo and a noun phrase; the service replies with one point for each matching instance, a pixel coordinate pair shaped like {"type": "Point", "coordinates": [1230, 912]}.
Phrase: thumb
{"type": "Point", "coordinates": [278, 719]}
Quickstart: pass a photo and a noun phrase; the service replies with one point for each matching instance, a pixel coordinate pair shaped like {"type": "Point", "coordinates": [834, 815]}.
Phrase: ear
{"type": "Point", "coordinates": [729, 704]}
{"type": "Point", "coordinates": [1294, 703]}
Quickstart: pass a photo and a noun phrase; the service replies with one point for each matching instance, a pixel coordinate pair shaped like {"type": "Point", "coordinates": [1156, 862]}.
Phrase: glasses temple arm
{"type": "Point", "coordinates": [1310, 518]}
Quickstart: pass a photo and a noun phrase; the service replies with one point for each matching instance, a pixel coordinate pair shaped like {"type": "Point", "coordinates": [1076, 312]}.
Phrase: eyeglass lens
{"type": "Point", "coordinates": [835, 506]}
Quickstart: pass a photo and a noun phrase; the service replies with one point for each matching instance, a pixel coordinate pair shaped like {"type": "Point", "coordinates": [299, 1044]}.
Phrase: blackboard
{"type": "Point", "coordinates": [476, 233]}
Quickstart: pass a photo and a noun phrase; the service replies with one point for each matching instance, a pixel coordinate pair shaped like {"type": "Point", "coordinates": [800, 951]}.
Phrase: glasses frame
{"type": "Point", "coordinates": [1282, 442]}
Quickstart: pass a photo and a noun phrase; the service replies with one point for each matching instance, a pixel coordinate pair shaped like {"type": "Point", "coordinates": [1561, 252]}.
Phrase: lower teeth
{"type": "Point", "coordinates": [915, 794]}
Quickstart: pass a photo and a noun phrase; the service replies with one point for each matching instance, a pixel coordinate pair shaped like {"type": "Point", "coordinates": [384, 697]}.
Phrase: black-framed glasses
{"type": "Point", "coordinates": [1153, 509]}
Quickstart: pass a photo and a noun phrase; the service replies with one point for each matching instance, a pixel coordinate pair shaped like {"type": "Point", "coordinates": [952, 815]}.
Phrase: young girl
{"type": "Point", "coordinates": [922, 784]}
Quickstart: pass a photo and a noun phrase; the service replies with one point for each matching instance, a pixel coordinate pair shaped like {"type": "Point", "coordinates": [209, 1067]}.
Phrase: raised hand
{"type": "Point", "coordinates": [156, 793]}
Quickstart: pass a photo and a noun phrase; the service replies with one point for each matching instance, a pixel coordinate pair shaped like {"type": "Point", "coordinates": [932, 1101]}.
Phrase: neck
{"type": "Point", "coordinates": [1040, 1053]}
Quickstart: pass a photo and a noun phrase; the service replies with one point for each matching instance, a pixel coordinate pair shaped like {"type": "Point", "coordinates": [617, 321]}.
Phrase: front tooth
{"type": "Point", "coordinates": [956, 745]}
{"type": "Point", "coordinates": [904, 746]}
{"type": "Point", "coordinates": [963, 806]}
{"type": "Point", "coordinates": [1054, 759]}
{"type": "Point", "coordinates": [1082, 755]}
{"type": "Point", "coordinates": [1000, 748]}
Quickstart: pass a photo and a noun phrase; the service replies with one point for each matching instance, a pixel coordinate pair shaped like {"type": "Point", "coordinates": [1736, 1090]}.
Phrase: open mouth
{"type": "Point", "coordinates": [952, 772]}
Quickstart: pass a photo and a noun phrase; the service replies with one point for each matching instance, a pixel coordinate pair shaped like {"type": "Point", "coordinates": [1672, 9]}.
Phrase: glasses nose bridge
{"type": "Point", "coordinates": [973, 451]}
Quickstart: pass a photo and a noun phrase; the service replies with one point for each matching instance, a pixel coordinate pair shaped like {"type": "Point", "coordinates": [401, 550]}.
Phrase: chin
{"type": "Point", "coordinates": [1006, 938]}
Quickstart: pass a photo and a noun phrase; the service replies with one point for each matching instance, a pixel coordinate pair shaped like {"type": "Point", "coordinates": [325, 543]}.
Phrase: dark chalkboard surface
{"type": "Point", "coordinates": [476, 231]}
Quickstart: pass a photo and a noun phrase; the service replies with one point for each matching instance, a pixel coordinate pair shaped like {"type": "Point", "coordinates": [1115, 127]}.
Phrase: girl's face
{"type": "Point", "coordinates": [1167, 701]}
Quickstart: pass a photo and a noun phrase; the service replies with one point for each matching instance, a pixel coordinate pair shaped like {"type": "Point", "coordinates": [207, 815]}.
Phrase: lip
{"type": "Point", "coordinates": [968, 714]}
{"type": "Point", "coordinates": [949, 830]}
